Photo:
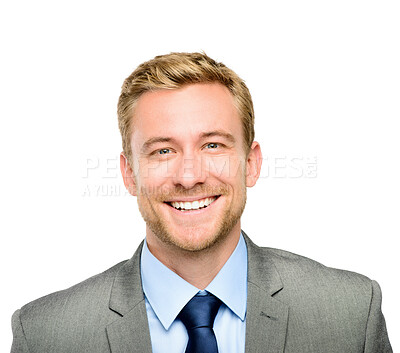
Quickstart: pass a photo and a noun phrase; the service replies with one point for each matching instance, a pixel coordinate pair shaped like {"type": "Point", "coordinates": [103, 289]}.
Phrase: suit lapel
{"type": "Point", "coordinates": [129, 333]}
{"type": "Point", "coordinates": [266, 318]}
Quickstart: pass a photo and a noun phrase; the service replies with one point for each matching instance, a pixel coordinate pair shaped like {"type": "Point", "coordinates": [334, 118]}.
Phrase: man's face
{"type": "Point", "coordinates": [189, 165]}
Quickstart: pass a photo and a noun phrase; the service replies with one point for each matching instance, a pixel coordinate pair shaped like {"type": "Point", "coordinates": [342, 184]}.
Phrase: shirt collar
{"type": "Point", "coordinates": [161, 285]}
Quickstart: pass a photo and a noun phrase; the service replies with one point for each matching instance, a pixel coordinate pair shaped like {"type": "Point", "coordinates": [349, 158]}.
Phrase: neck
{"type": "Point", "coordinates": [197, 268]}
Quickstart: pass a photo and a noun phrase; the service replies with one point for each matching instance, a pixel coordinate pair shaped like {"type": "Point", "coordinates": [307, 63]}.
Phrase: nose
{"type": "Point", "coordinates": [189, 171]}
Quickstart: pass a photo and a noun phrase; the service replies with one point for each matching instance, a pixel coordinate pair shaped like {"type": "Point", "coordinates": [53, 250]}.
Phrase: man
{"type": "Point", "coordinates": [197, 283]}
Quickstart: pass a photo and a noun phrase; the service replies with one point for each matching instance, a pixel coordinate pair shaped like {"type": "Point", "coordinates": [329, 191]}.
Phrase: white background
{"type": "Point", "coordinates": [325, 83]}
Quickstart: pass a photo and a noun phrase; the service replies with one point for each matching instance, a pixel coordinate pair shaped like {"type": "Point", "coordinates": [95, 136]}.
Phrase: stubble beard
{"type": "Point", "coordinates": [159, 227]}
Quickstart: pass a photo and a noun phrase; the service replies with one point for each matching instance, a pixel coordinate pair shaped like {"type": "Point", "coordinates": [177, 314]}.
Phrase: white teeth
{"type": "Point", "coordinates": [195, 205]}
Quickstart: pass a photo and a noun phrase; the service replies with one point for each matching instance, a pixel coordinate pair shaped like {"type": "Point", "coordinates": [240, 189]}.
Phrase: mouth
{"type": "Point", "coordinates": [190, 206]}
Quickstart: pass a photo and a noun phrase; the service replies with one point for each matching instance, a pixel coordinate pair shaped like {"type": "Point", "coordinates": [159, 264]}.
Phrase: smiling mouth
{"type": "Point", "coordinates": [185, 206]}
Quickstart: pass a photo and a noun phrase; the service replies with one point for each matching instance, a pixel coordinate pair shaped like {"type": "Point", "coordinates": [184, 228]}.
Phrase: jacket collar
{"type": "Point", "coordinates": [266, 317]}
{"type": "Point", "coordinates": [262, 271]}
{"type": "Point", "coordinates": [127, 291]}
{"type": "Point", "coordinates": [130, 332]}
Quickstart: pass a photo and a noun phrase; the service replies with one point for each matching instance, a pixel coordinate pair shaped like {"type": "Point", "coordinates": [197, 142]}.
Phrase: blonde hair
{"type": "Point", "coordinates": [172, 71]}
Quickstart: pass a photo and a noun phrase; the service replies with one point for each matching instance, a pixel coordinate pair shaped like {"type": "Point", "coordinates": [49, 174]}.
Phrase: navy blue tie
{"type": "Point", "coordinates": [198, 316]}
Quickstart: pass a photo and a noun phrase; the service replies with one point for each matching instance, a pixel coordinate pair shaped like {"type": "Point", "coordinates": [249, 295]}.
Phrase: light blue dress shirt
{"type": "Point", "coordinates": [166, 294]}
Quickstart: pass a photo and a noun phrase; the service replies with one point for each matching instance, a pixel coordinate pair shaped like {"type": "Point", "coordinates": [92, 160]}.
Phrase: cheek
{"type": "Point", "coordinates": [226, 167]}
{"type": "Point", "coordinates": [217, 166]}
{"type": "Point", "coordinates": [155, 173]}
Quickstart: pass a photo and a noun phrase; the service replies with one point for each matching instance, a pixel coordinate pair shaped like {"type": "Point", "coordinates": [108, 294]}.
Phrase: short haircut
{"type": "Point", "coordinates": [173, 71]}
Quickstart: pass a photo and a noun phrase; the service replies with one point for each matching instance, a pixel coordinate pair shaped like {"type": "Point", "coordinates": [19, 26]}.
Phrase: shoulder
{"type": "Point", "coordinates": [303, 277]}
{"type": "Point", "coordinates": [299, 269]}
{"type": "Point", "coordinates": [74, 317]}
{"type": "Point", "coordinates": [325, 302]}
{"type": "Point", "coordinates": [81, 298]}
{"type": "Point", "coordinates": [312, 288]}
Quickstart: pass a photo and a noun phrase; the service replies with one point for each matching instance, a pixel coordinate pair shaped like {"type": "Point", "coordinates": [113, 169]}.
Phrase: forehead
{"type": "Point", "coordinates": [186, 112]}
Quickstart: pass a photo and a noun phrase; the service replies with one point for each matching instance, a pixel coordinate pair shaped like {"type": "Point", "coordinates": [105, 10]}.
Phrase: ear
{"type": "Point", "coordinates": [253, 164]}
{"type": "Point", "coordinates": [127, 174]}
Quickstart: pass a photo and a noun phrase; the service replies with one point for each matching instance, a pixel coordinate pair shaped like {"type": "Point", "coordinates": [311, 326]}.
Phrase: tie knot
{"type": "Point", "coordinates": [200, 311]}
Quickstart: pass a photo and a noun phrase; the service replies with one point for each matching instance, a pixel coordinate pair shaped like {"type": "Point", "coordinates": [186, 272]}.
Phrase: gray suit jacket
{"type": "Point", "coordinates": [295, 305]}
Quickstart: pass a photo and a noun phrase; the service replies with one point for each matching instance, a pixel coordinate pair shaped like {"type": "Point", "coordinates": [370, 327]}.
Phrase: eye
{"type": "Point", "coordinates": [164, 151]}
{"type": "Point", "coordinates": [212, 145]}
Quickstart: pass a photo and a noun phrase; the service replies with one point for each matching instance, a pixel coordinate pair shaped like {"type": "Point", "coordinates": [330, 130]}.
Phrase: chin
{"type": "Point", "coordinates": [193, 240]}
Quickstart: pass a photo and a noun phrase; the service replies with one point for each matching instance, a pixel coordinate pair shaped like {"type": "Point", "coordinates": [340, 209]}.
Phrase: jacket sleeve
{"type": "Point", "coordinates": [19, 344]}
{"type": "Point", "coordinates": [376, 339]}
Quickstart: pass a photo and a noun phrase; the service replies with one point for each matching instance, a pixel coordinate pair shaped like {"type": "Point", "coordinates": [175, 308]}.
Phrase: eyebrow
{"type": "Point", "coordinates": [153, 140]}
{"type": "Point", "coordinates": [215, 133]}
{"type": "Point", "coordinates": [219, 133]}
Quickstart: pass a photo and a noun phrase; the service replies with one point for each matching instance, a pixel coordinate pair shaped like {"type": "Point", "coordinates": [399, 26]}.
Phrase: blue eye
{"type": "Point", "coordinates": [164, 151]}
{"type": "Point", "coordinates": [212, 145]}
